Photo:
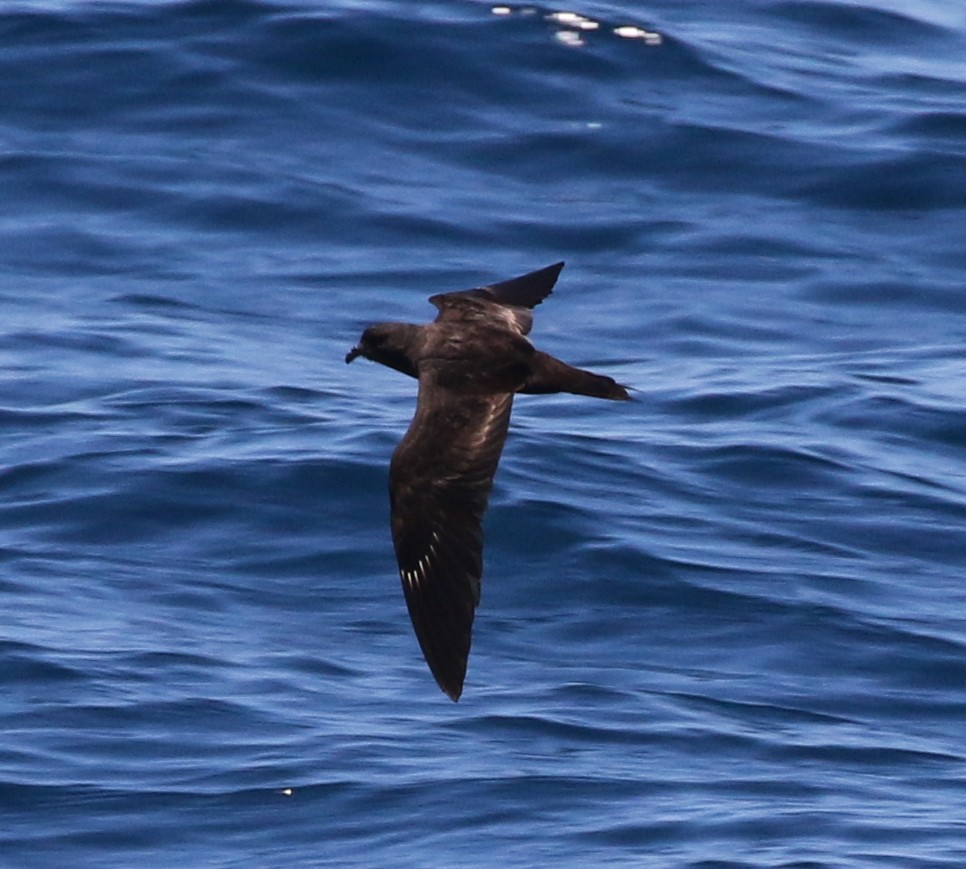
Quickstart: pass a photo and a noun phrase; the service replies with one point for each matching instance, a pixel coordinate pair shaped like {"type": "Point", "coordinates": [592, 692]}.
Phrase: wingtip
{"type": "Point", "coordinates": [453, 690]}
{"type": "Point", "coordinates": [553, 269]}
{"type": "Point", "coordinates": [526, 291]}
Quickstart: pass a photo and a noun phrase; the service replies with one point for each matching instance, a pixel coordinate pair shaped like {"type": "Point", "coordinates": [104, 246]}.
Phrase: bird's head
{"type": "Point", "coordinates": [390, 344]}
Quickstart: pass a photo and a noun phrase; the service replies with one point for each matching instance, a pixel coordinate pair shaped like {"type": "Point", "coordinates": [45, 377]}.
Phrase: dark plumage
{"type": "Point", "coordinates": [470, 361]}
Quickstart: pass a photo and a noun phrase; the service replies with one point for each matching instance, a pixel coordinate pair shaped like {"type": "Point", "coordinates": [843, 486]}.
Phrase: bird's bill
{"type": "Point", "coordinates": [355, 351]}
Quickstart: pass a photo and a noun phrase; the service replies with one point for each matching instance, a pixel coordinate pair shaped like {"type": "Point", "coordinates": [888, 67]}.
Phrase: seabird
{"type": "Point", "coordinates": [470, 362]}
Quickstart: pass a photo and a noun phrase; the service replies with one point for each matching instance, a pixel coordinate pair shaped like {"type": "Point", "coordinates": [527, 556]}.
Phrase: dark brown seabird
{"type": "Point", "coordinates": [470, 361]}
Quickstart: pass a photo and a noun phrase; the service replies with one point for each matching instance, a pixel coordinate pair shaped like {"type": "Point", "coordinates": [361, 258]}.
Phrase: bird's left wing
{"type": "Point", "coordinates": [439, 484]}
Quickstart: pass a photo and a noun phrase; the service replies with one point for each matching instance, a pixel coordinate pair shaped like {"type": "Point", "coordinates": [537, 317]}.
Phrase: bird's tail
{"type": "Point", "coordinates": [548, 374]}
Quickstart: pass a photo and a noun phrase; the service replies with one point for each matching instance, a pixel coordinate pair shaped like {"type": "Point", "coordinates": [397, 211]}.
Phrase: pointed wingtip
{"type": "Point", "coordinates": [555, 271]}
{"type": "Point", "coordinates": [527, 290]}
{"type": "Point", "coordinates": [552, 271]}
{"type": "Point", "coordinates": [452, 688]}
{"type": "Point", "coordinates": [450, 682]}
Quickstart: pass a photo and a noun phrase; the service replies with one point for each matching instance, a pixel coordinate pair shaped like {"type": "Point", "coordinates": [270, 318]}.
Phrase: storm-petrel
{"type": "Point", "coordinates": [470, 362]}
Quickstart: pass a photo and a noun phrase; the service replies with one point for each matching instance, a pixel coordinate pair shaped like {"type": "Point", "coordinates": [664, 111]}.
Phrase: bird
{"type": "Point", "coordinates": [470, 362]}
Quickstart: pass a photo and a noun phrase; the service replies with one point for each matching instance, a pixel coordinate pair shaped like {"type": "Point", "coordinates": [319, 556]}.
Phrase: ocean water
{"type": "Point", "coordinates": [723, 625]}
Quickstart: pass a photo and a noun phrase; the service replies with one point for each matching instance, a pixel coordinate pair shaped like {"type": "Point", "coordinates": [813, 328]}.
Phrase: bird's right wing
{"type": "Point", "coordinates": [439, 484]}
{"type": "Point", "coordinates": [508, 302]}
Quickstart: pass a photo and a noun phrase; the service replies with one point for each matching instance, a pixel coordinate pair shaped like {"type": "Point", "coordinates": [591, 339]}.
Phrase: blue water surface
{"type": "Point", "coordinates": [723, 625]}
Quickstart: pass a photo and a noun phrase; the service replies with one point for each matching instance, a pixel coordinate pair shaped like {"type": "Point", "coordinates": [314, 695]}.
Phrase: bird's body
{"type": "Point", "coordinates": [470, 362]}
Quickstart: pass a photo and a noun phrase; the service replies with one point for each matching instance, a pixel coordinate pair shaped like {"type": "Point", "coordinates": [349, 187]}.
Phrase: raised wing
{"type": "Point", "coordinates": [509, 302]}
{"type": "Point", "coordinates": [526, 291]}
{"type": "Point", "coordinates": [439, 484]}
